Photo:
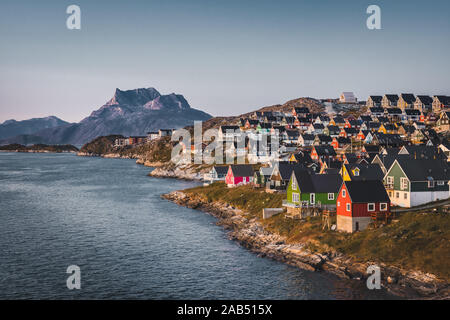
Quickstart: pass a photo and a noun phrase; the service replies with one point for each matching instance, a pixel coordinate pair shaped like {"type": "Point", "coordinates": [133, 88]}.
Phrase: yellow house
{"type": "Point", "coordinates": [382, 129]}
{"type": "Point", "coordinates": [346, 176]}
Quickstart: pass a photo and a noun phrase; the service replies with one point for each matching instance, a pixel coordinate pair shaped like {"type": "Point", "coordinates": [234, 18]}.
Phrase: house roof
{"type": "Point", "coordinates": [425, 99]}
{"type": "Point", "coordinates": [367, 172]}
{"type": "Point", "coordinates": [317, 183]}
{"type": "Point", "coordinates": [376, 99]}
{"type": "Point", "coordinates": [394, 110]}
{"type": "Point", "coordinates": [412, 112]}
{"type": "Point", "coordinates": [366, 191]}
{"type": "Point", "coordinates": [242, 170]}
{"type": "Point", "coordinates": [392, 97]}
{"type": "Point", "coordinates": [307, 136]}
{"type": "Point", "coordinates": [325, 151]}
{"type": "Point", "coordinates": [221, 169]}
{"type": "Point", "coordinates": [423, 170]}
{"type": "Point", "coordinates": [376, 110]}
{"type": "Point", "coordinates": [303, 157]}
{"type": "Point", "coordinates": [372, 148]}
{"type": "Point", "coordinates": [286, 169]}
{"type": "Point", "coordinates": [423, 152]}
{"type": "Point", "coordinates": [408, 97]}
{"type": "Point", "coordinates": [324, 138]}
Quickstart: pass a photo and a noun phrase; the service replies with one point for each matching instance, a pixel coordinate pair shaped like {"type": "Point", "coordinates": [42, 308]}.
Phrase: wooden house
{"type": "Point", "coordinates": [423, 103]}
{"type": "Point", "coordinates": [359, 203]}
{"type": "Point", "coordinates": [239, 174]}
{"type": "Point", "coordinates": [406, 101]}
{"type": "Point", "coordinates": [412, 182]}
{"type": "Point", "coordinates": [389, 101]}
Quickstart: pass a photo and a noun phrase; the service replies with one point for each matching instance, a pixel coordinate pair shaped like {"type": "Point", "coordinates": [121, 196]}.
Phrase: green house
{"type": "Point", "coordinates": [306, 189]}
{"type": "Point", "coordinates": [411, 182]}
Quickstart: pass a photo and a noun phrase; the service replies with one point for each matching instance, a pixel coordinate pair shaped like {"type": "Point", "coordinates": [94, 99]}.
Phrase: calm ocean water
{"type": "Point", "coordinates": [107, 217]}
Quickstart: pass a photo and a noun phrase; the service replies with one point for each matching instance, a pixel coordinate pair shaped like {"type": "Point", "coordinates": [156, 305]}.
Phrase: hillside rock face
{"type": "Point", "coordinates": [129, 113]}
{"type": "Point", "coordinates": [12, 128]}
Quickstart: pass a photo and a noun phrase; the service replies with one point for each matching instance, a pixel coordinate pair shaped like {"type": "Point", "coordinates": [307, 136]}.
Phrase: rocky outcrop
{"type": "Point", "coordinates": [186, 172]}
{"type": "Point", "coordinates": [251, 234]}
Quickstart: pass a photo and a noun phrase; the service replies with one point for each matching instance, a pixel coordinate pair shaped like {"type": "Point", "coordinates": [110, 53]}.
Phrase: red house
{"type": "Point", "coordinates": [239, 174]}
{"type": "Point", "coordinates": [359, 202]}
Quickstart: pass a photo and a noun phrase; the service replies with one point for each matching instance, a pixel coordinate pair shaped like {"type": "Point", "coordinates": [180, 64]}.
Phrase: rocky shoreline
{"type": "Point", "coordinates": [251, 234]}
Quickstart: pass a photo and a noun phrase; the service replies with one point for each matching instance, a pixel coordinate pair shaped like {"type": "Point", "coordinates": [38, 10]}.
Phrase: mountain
{"type": "Point", "coordinates": [12, 128]}
{"type": "Point", "coordinates": [129, 113]}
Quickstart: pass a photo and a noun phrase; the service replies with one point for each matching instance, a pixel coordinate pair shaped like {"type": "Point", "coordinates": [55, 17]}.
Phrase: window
{"type": "Point", "coordinates": [331, 196]}
{"type": "Point", "coordinates": [405, 196]}
{"type": "Point", "coordinates": [397, 195]}
{"type": "Point", "coordinates": [371, 206]}
{"type": "Point", "coordinates": [440, 183]}
{"type": "Point", "coordinates": [295, 197]}
{"type": "Point", "coordinates": [356, 172]}
{"type": "Point", "coordinates": [348, 206]}
{"type": "Point", "coordinates": [431, 184]}
{"type": "Point", "coordinates": [383, 206]}
{"type": "Point", "coordinates": [294, 184]}
{"type": "Point", "coordinates": [344, 193]}
{"type": "Point", "coordinates": [338, 204]}
{"type": "Point", "coordinates": [403, 183]}
{"type": "Point", "coordinates": [390, 180]}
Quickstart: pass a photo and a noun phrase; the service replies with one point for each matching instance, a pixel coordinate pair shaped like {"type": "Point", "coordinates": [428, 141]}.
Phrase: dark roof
{"type": "Point", "coordinates": [221, 169]}
{"type": "Point", "coordinates": [376, 99]}
{"type": "Point", "coordinates": [425, 99]}
{"type": "Point", "coordinates": [374, 125]}
{"type": "Point", "coordinates": [367, 172]}
{"type": "Point", "coordinates": [303, 157]}
{"type": "Point", "coordinates": [318, 126]}
{"type": "Point", "coordinates": [408, 97]}
{"type": "Point", "coordinates": [424, 152]}
{"type": "Point", "coordinates": [242, 170]}
{"type": "Point", "coordinates": [324, 138]}
{"type": "Point", "coordinates": [333, 129]}
{"type": "Point", "coordinates": [339, 120]}
{"type": "Point", "coordinates": [423, 170]}
{"type": "Point", "coordinates": [318, 183]}
{"type": "Point", "coordinates": [366, 118]}
{"type": "Point", "coordinates": [325, 151]}
{"type": "Point", "coordinates": [351, 130]}
{"type": "Point", "coordinates": [229, 128]}
{"type": "Point", "coordinates": [392, 97]}
{"type": "Point", "coordinates": [412, 112]}
{"type": "Point", "coordinates": [376, 110]}
{"type": "Point", "coordinates": [307, 136]}
{"type": "Point", "coordinates": [286, 169]}
{"type": "Point", "coordinates": [394, 110]}
{"type": "Point", "coordinates": [367, 191]}
{"type": "Point", "coordinates": [343, 140]}
{"type": "Point", "coordinates": [372, 148]}
{"type": "Point", "coordinates": [383, 119]}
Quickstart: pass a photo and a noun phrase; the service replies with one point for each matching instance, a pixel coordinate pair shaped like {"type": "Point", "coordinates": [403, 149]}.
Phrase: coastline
{"type": "Point", "coordinates": [410, 284]}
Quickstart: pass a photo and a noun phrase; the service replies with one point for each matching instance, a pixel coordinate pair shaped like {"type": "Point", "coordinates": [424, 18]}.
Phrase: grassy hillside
{"type": "Point", "coordinates": [414, 241]}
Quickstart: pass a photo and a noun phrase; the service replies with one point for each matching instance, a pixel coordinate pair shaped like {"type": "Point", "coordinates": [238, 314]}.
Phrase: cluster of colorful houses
{"type": "Point", "coordinates": [134, 140]}
{"type": "Point", "coordinates": [396, 154]}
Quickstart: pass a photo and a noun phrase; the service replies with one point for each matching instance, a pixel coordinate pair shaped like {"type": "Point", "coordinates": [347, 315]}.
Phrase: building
{"type": "Point", "coordinates": [239, 174]}
{"type": "Point", "coordinates": [411, 182]}
{"type": "Point", "coordinates": [347, 97]}
{"type": "Point", "coordinates": [374, 101]}
{"type": "Point", "coordinates": [362, 172]}
{"type": "Point", "coordinates": [423, 103]}
{"type": "Point", "coordinates": [359, 203]}
{"type": "Point", "coordinates": [217, 173]}
{"type": "Point", "coordinates": [440, 103]}
{"type": "Point", "coordinates": [311, 190]}
{"type": "Point", "coordinates": [406, 101]}
{"type": "Point", "coordinates": [165, 132]}
{"type": "Point", "coordinates": [389, 101]}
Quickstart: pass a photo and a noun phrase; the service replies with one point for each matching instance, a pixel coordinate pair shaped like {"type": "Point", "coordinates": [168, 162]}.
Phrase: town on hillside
{"type": "Point", "coordinates": [352, 163]}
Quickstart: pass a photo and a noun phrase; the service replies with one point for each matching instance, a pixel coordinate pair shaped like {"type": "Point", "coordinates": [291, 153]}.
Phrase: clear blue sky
{"type": "Point", "coordinates": [225, 57]}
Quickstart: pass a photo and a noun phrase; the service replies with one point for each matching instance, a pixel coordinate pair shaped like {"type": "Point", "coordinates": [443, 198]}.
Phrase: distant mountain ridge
{"type": "Point", "coordinates": [11, 128]}
{"type": "Point", "coordinates": [130, 112]}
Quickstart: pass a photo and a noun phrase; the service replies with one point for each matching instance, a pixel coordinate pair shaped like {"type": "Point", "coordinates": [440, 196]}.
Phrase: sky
{"type": "Point", "coordinates": [225, 57]}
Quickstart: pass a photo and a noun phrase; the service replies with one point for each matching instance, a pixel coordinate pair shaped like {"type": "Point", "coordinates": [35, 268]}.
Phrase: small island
{"type": "Point", "coordinates": [39, 148]}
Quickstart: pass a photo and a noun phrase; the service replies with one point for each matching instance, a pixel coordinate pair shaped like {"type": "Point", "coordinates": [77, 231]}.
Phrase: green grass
{"type": "Point", "coordinates": [415, 241]}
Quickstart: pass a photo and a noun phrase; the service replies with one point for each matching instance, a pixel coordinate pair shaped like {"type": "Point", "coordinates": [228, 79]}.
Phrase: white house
{"type": "Point", "coordinates": [347, 97]}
